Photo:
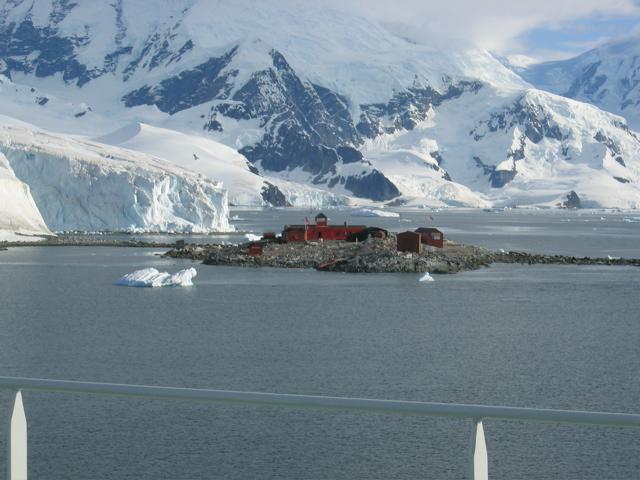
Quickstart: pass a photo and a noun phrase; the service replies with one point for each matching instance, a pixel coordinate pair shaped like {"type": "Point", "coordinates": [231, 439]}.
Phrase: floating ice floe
{"type": "Point", "coordinates": [426, 278]}
{"type": "Point", "coordinates": [150, 277]}
{"type": "Point", "coordinates": [252, 237]}
{"type": "Point", "coordinates": [370, 212]}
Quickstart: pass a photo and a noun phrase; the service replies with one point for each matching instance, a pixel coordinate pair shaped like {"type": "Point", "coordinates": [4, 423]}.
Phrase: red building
{"type": "Point", "coordinates": [255, 249]}
{"type": "Point", "coordinates": [409, 242]}
{"type": "Point", "coordinates": [320, 231]}
{"type": "Point", "coordinates": [431, 236]}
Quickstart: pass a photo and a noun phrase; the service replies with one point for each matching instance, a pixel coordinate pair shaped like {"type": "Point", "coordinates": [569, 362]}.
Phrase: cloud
{"type": "Point", "coordinates": [493, 24]}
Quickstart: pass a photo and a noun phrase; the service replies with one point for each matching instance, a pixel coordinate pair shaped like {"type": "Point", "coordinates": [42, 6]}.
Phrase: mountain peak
{"type": "Point", "coordinates": [607, 76]}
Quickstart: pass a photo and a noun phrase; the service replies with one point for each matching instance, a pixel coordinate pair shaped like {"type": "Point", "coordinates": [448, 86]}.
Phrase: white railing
{"type": "Point", "coordinates": [478, 464]}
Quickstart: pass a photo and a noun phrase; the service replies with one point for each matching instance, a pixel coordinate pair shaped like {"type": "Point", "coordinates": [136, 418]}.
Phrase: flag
{"type": "Point", "coordinates": [306, 220]}
{"type": "Point", "coordinates": [430, 218]}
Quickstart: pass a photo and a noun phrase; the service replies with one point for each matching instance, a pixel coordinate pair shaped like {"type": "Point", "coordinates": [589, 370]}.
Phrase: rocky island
{"type": "Point", "coordinates": [374, 255]}
{"type": "Point", "coordinates": [339, 248]}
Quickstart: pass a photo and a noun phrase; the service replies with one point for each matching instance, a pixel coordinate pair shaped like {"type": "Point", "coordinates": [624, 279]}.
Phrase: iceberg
{"type": "Point", "coordinates": [369, 212]}
{"type": "Point", "coordinates": [150, 277]}
{"type": "Point", "coordinates": [252, 237]}
{"type": "Point", "coordinates": [426, 278]}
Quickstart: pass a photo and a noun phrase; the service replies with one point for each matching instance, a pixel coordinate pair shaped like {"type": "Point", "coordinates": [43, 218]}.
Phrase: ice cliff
{"type": "Point", "coordinates": [82, 185]}
{"type": "Point", "coordinates": [18, 212]}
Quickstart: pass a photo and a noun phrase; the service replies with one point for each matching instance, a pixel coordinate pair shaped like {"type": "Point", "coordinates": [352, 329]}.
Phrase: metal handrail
{"type": "Point", "coordinates": [316, 401]}
{"type": "Point", "coordinates": [17, 458]}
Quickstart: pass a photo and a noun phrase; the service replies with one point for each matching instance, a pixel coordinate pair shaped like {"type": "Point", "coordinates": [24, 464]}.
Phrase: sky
{"type": "Point", "coordinates": [541, 29]}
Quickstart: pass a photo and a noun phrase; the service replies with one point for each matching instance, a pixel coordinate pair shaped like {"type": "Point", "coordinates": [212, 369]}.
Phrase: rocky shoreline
{"type": "Point", "coordinates": [86, 241]}
{"type": "Point", "coordinates": [374, 256]}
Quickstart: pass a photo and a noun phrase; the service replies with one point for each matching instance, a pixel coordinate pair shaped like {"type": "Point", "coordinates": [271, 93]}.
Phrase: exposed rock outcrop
{"type": "Point", "coordinates": [572, 201]}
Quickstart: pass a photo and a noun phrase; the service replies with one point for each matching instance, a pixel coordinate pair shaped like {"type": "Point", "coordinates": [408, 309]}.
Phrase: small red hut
{"type": "Point", "coordinates": [320, 231]}
{"type": "Point", "coordinates": [255, 249]}
{"type": "Point", "coordinates": [431, 236]}
{"type": "Point", "coordinates": [409, 242]}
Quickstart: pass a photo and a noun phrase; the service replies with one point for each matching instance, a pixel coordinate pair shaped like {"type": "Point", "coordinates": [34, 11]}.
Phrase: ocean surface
{"type": "Point", "coordinates": [531, 336]}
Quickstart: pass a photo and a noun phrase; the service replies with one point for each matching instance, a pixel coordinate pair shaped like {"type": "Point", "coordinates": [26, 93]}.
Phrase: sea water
{"type": "Point", "coordinates": [530, 336]}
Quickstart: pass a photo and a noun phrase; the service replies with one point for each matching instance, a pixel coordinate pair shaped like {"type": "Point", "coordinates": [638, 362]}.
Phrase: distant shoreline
{"type": "Point", "coordinates": [86, 241]}
{"type": "Point", "coordinates": [104, 240]}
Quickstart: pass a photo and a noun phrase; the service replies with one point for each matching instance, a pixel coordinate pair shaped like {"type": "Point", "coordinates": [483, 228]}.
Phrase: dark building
{"type": "Point", "coordinates": [431, 236]}
{"type": "Point", "coordinates": [409, 242]}
{"type": "Point", "coordinates": [321, 230]}
{"type": "Point", "coordinates": [362, 235]}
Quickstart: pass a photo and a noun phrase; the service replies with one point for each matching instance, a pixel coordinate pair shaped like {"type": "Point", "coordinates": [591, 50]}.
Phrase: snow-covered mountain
{"type": "Point", "coordinates": [607, 76]}
{"type": "Point", "coordinates": [308, 95]}
{"type": "Point", "coordinates": [19, 216]}
{"type": "Point", "coordinates": [528, 148]}
{"type": "Point", "coordinates": [215, 160]}
{"type": "Point", "coordinates": [82, 185]}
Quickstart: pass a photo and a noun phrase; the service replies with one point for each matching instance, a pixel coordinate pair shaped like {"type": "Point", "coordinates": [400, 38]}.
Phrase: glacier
{"type": "Point", "coordinates": [82, 185]}
{"type": "Point", "coordinates": [20, 218]}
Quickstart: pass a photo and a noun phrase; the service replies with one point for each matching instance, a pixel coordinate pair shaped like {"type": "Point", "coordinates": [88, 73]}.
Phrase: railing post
{"type": "Point", "coordinates": [17, 454]}
{"type": "Point", "coordinates": [479, 462]}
